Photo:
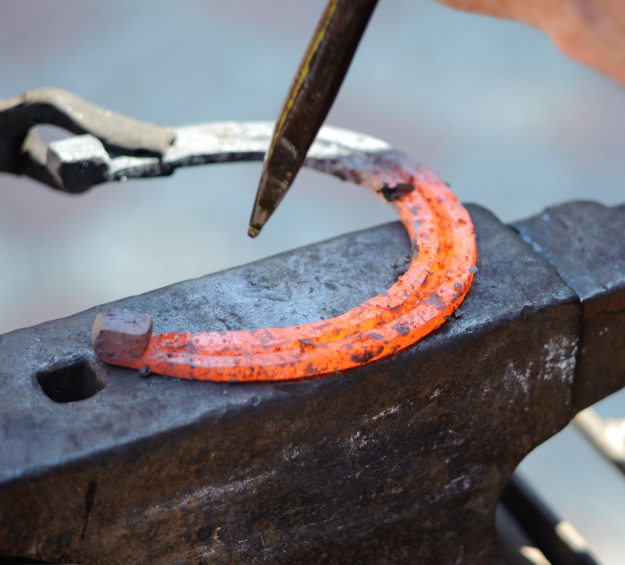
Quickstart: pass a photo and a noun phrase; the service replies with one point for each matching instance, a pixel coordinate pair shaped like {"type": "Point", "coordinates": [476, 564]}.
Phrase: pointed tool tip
{"type": "Point", "coordinates": [259, 214]}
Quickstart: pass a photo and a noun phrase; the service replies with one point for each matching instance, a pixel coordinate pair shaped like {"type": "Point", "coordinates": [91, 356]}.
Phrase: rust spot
{"type": "Point", "coordinates": [366, 355]}
{"type": "Point", "coordinates": [392, 193]}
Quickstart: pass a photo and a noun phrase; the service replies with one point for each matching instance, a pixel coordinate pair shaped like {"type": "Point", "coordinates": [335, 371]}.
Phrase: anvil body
{"type": "Point", "coordinates": [401, 461]}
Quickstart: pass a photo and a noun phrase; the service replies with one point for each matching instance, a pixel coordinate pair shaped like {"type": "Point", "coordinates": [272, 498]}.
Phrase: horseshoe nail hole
{"type": "Point", "coordinates": [70, 383]}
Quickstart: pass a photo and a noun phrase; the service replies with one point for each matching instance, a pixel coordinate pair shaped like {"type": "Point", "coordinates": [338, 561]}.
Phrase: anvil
{"type": "Point", "coordinates": [401, 460]}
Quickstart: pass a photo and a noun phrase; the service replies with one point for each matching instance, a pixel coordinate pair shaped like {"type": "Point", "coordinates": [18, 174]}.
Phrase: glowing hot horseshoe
{"type": "Point", "coordinates": [439, 276]}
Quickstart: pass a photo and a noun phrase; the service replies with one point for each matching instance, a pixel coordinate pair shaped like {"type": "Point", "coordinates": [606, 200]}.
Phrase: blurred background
{"type": "Point", "coordinates": [489, 105]}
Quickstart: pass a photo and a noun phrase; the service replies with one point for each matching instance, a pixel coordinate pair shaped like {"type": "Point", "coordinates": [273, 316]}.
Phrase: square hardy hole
{"type": "Point", "coordinates": [70, 383]}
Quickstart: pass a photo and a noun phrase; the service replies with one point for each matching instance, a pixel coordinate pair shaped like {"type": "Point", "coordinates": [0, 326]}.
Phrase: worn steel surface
{"type": "Point", "coordinates": [585, 241]}
{"type": "Point", "coordinates": [401, 461]}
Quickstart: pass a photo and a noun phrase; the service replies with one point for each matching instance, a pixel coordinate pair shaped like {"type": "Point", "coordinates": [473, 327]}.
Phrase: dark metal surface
{"type": "Point", "coordinates": [22, 152]}
{"type": "Point", "coordinates": [402, 461]}
{"type": "Point", "coordinates": [585, 241]}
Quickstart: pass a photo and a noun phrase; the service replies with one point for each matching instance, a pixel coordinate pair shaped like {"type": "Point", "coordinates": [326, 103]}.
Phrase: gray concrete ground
{"type": "Point", "coordinates": [489, 105]}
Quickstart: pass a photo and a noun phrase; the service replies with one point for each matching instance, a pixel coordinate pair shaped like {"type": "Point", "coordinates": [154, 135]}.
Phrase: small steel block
{"type": "Point", "coordinates": [121, 333]}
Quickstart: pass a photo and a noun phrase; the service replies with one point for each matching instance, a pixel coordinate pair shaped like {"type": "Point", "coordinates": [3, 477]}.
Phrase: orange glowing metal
{"type": "Point", "coordinates": [439, 276]}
